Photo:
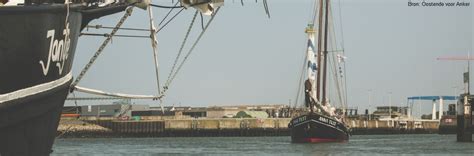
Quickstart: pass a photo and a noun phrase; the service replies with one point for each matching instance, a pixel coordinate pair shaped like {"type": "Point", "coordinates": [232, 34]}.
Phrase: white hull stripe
{"type": "Point", "coordinates": [35, 89]}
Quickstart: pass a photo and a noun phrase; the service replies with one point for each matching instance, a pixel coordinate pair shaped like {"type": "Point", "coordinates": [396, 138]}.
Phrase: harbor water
{"type": "Point", "coordinates": [358, 145]}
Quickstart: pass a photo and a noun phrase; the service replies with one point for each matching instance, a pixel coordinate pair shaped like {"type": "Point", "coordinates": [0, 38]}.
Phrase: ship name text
{"type": "Point", "coordinates": [299, 120]}
{"type": "Point", "coordinates": [58, 50]}
{"type": "Point", "coordinates": [327, 121]}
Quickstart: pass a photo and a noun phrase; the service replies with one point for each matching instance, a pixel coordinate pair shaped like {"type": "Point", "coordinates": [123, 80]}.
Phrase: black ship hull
{"type": "Point", "coordinates": [32, 123]}
{"type": "Point", "coordinates": [37, 46]}
{"type": "Point", "coordinates": [317, 128]}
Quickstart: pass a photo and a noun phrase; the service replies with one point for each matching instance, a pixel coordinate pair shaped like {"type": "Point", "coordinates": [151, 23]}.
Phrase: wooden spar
{"type": "Point", "coordinates": [325, 52]}
{"type": "Point", "coordinates": [320, 29]}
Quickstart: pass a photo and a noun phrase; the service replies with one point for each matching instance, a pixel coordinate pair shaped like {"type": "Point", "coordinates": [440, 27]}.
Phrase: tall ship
{"type": "Point", "coordinates": [320, 122]}
{"type": "Point", "coordinates": [38, 39]}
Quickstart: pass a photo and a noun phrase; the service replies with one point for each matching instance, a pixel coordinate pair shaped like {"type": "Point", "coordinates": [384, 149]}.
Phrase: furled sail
{"type": "Point", "coordinates": [311, 60]}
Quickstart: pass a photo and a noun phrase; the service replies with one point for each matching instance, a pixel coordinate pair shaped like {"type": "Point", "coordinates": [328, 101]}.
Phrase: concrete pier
{"type": "Point", "coordinates": [364, 127]}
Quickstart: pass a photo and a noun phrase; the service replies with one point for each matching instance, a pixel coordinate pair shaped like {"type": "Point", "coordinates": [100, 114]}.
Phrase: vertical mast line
{"type": "Point", "coordinates": [313, 14]}
{"type": "Point", "coordinates": [468, 73]}
{"type": "Point", "coordinates": [320, 30]}
{"type": "Point", "coordinates": [339, 84]}
{"type": "Point", "coordinates": [340, 22]}
{"type": "Point", "coordinates": [325, 52]}
{"type": "Point", "coordinates": [333, 66]}
{"type": "Point", "coordinates": [343, 50]}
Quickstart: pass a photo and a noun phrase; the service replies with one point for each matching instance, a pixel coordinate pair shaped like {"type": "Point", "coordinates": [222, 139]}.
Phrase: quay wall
{"type": "Point", "coordinates": [185, 126]}
{"type": "Point", "coordinates": [366, 127]}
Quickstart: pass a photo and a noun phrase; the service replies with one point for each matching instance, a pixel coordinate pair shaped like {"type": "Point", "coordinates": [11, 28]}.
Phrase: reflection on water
{"type": "Point", "coordinates": [360, 145]}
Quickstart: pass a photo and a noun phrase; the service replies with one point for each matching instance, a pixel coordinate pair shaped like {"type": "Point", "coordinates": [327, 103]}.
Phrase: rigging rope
{"type": "Point", "coordinates": [313, 13]}
{"type": "Point", "coordinates": [194, 45]}
{"type": "Point", "coordinates": [122, 28]}
{"type": "Point", "coordinates": [167, 7]}
{"type": "Point", "coordinates": [200, 3]}
{"type": "Point", "coordinates": [175, 6]}
{"type": "Point", "coordinates": [108, 35]}
{"type": "Point", "coordinates": [94, 98]}
{"type": "Point", "coordinates": [338, 82]}
{"type": "Point", "coordinates": [300, 81]}
{"type": "Point", "coordinates": [170, 20]}
{"type": "Point", "coordinates": [189, 52]}
{"type": "Point", "coordinates": [101, 48]}
{"type": "Point", "coordinates": [332, 60]}
{"type": "Point", "coordinates": [265, 6]}
{"type": "Point", "coordinates": [181, 48]}
{"type": "Point", "coordinates": [75, 101]}
{"type": "Point", "coordinates": [340, 22]}
{"type": "Point", "coordinates": [202, 20]}
{"type": "Point", "coordinates": [342, 45]}
{"type": "Point", "coordinates": [154, 43]}
{"type": "Point", "coordinates": [168, 14]}
{"type": "Point", "coordinates": [67, 12]}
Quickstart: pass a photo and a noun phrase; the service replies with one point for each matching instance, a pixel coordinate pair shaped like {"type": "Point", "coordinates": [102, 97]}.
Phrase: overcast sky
{"type": "Point", "coordinates": [246, 58]}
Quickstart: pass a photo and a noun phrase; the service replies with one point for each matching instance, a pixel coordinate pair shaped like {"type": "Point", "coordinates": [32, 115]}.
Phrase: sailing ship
{"type": "Point", "coordinates": [38, 39]}
{"type": "Point", "coordinates": [321, 123]}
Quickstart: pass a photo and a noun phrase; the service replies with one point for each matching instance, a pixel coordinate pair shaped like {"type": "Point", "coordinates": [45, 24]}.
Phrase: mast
{"type": "Point", "coordinates": [320, 30]}
{"type": "Point", "coordinates": [468, 73]}
{"type": "Point", "coordinates": [325, 53]}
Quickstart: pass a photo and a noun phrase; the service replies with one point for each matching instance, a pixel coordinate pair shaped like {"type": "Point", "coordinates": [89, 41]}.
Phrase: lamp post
{"type": "Point", "coordinates": [390, 104]}
{"type": "Point", "coordinates": [370, 100]}
{"type": "Point", "coordinates": [390, 107]}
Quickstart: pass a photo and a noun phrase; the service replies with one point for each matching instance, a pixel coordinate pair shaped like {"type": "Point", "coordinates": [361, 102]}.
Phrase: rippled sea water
{"type": "Point", "coordinates": [414, 144]}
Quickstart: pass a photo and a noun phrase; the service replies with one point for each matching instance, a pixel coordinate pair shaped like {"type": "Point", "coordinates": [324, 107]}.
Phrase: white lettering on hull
{"type": "Point", "coordinates": [327, 121]}
{"type": "Point", "coordinates": [58, 51]}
